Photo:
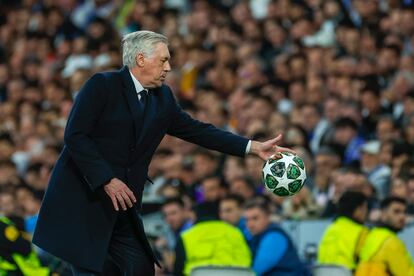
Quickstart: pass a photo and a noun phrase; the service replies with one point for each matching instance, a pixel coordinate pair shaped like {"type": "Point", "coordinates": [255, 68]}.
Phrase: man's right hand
{"type": "Point", "coordinates": [120, 194]}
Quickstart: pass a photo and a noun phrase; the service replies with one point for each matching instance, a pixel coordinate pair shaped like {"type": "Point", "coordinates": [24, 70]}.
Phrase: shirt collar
{"type": "Point", "coordinates": [137, 84]}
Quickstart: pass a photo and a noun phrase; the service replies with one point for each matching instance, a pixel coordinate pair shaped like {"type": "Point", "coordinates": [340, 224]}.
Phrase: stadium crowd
{"type": "Point", "coordinates": [335, 77]}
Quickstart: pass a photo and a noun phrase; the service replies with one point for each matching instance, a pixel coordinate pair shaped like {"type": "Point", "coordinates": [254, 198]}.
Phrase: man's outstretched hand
{"type": "Point", "coordinates": [120, 194]}
{"type": "Point", "coordinates": [268, 148]}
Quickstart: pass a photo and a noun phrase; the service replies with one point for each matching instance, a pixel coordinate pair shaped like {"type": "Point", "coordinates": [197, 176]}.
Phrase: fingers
{"type": "Point", "coordinates": [276, 155]}
{"type": "Point", "coordinates": [121, 201]}
{"type": "Point", "coordinates": [282, 149]}
{"type": "Point", "coordinates": [120, 194]}
{"type": "Point", "coordinates": [127, 200]}
{"type": "Point", "coordinates": [114, 202]}
{"type": "Point", "coordinates": [131, 195]}
{"type": "Point", "coordinates": [276, 139]}
{"type": "Point", "coordinates": [263, 156]}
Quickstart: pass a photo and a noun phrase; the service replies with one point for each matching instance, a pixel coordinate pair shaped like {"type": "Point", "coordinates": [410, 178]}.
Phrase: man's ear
{"type": "Point", "coordinates": [140, 60]}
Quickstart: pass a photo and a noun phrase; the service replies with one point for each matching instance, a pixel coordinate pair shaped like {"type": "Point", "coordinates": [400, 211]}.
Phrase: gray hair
{"type": "Point", "coordinates": [139, 42]}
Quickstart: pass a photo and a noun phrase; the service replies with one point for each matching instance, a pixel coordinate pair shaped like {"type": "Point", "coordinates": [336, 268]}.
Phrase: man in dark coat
{"type": "Point", "coordinates": [90, 215]}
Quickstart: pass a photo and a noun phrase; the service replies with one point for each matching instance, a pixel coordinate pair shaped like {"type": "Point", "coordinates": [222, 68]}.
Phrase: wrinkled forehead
{"type": "Point", "coordinates": [161, 50]}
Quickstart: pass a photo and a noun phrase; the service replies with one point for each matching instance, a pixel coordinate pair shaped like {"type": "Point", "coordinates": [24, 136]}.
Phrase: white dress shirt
{"type": "Point", "coordinates": [138, 85]}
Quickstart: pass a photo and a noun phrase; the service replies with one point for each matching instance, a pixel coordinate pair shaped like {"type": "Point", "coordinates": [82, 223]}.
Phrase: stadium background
{"type": "Point", "coordinates": [336, 77]}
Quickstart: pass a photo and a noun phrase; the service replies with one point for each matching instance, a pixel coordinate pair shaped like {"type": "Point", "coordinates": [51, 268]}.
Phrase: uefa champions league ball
{"type": "Point", "coordinates": [285, 174]}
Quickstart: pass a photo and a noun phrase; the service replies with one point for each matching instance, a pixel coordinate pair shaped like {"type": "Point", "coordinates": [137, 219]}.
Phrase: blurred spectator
{"type": "Point", "coordinates": [178, 220]}
{"type": "Point", "coordinates": [399, 187]}
{"type": "Point", "coordinates": [29, 206]}
{"type": "Point", "coordinates": [344, 179]}
{"type": "Point", "coordinates": [409, 195]}
{"type": "Point", "coordinates": [8, 174]}
{"type": "Point", "coordinates": [386, 129]}
{"type": "Point", "coordinates": [210, 242]}
{"type": "Point", "coordinates": [301, 206]}
{"type": "Point", "coordinates": [17, 256]}
{"type": "Point", "coordinates": [213, 189]}
{"type": "Point", "coordinates": [401, 153]}
{"type": "Point", "coordinates": [233, 168]}
{"type": "Point", "coordinates": [296, 136]}
{"type": "Point", "coordinates": [383, 250]}
{"type": "Point", "coordinates": [346, 136]}
{"type": "Point", "coordinates": [343, 239]}
{"type": "Point", "coordinates": [272, 249]}
{"type": "Point", "coordinates": [315, 125]}
{"type": "Point", "coordinates": [172, 188]}
{"type": "Point", "coordinates": [243, 187]}
{"type": "Point", "coordinates": [205, 164]}
{"type": "Point", "coordinates": [231, 211]}
{"type": "Point", "coordinates": [326, 161]}
{"type": "Point", "coordinates": [371, 109]}
{"type": "Point", "coordinates": [254, 166]}
{"type": "Point", "coordinates": [7, 202]}
{"type": "Point", "coordinates": [377, 173]}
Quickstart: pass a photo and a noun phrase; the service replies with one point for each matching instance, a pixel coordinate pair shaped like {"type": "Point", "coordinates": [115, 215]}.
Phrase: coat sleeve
{"type": "Point", "coordinates": [206, 135]}
{"type": "Point", "coordinates": [88, 106]}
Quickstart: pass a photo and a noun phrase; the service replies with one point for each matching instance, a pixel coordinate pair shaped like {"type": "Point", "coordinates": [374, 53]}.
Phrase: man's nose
{"type": "Point", "coordinates": [167, 67]}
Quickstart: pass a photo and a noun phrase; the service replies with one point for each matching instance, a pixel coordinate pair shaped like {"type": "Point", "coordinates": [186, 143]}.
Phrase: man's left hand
{"type": "Point", "coordinates": [269, 148]}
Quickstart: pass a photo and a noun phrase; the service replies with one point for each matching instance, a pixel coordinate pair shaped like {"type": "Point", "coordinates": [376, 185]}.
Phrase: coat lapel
{"type": "Point", "coordinates": [142, 118]}
{"type": "Point", "coordinates": [132, 99]}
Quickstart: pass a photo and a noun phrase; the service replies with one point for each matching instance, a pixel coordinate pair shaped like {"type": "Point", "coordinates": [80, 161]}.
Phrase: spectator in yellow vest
{"type": "Point", "coordinates": [343, 239]}
{"type": "Point", "coordinates": [210, 242]}
{"type": "Point", "coordinates": [16, 254]}
{"type": "Point", "coordinates": [384, 253]}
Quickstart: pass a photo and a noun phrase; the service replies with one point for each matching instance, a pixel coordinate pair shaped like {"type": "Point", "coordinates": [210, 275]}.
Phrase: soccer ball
{"type": "Point", "coordinates": [285, 174]}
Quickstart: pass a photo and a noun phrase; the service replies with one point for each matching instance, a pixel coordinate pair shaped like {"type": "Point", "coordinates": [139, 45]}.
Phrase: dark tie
{"type": "Point", "coordinates": [143, 96]}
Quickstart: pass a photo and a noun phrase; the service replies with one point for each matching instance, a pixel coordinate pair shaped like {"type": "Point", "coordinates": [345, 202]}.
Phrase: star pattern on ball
{"type": "Point", "coordinates": [284, 176]}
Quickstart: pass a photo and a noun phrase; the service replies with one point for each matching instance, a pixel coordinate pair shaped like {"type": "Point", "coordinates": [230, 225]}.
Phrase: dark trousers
{"type": "Point", "coordinates": [126, 255]}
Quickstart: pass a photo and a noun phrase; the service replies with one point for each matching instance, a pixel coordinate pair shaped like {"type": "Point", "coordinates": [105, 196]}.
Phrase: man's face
{"type": "Point", "coordinates": [203, 166]}
{"type": "Point", "coordinates": [256, 220]}
{"type": "Point", "coordinates": [241, 188]}
{"type": "Point", "coordinates": [369, 161]}
{"type": "Point", "coordinates": [211, 189]}
{"type": "Point", "coordinates": [326, 163]}
{"type": "Point", "coordinates": [344, 135]}
{"type": "Point", "coordinates": [7, 204]}
{"type": "Point", "coordinates": [394, 215]}
{"type": "Point", "coordinates": [361, 213]}
{"type": "Point", "coordinates": [230, 212]}
{"type": "Point", "coordinates": [310, 118]}
{"type": "Point", "coordinates": [385, 129]}
{"type": "Point", "coordinates": [370, 102]}
{"type": "Point", "coordinates": [155, 67]}
{"type": "Point", "coordinates": [173, 215]}
{"type": "Point", "coordinates": [331, 109]}
{"type": "Point", "coordinates": [6, 150]}
{"type": "Point", "coordinates": [387, 60]}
